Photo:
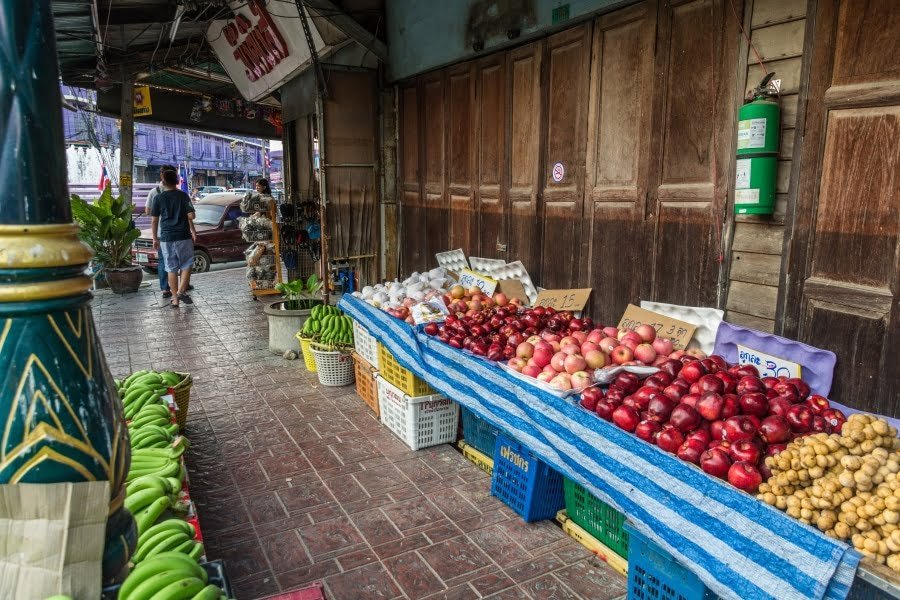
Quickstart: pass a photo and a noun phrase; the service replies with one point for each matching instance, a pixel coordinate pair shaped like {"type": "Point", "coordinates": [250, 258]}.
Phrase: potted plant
{"type": "Point", "coordinates": [106, 227]}
{"type": "Point", "coordinates": [286, 316]}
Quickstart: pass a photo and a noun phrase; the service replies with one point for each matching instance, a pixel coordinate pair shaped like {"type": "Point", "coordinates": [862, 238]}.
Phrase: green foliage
{"type": "Point", "coordinates": [106, 227]}
{"type": "Point", "coordinates": [299, 290]}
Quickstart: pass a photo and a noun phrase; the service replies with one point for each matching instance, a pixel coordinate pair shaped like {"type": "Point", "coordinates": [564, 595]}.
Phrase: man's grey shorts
{"type": "Point", "coordinates": [178, 255]}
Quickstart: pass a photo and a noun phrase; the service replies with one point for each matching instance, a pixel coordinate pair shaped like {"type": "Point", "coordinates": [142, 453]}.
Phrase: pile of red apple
{"type": "Point", "coordinates": [724, 418]}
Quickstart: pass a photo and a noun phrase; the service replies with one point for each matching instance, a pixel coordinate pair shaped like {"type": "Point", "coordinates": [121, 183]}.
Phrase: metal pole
{"type": "Point", "coordinates": [323, 196]}
{"type": "Point", "coordinates": [126, 150]}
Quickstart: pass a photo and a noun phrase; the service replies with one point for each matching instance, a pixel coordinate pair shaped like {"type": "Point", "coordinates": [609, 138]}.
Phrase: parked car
{"type": "Point", "coordinates": [218, 235]}
{"type": "Point", "coordinates": [241, 191]}
{"type": "Point", "coordinates": [205, 190]}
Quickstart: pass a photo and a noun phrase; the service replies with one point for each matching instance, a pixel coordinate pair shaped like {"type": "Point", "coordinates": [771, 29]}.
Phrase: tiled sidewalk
{"type": "Point", "coordinates": [296, 482]}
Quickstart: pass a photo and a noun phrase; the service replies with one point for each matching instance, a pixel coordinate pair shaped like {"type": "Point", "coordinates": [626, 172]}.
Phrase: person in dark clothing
{"type": "Point", "coordinates": [262, 187]}
{"type": "Point", "coordinates": [174, 234]}
{"type": "Point", "coordinates": [148, 208]}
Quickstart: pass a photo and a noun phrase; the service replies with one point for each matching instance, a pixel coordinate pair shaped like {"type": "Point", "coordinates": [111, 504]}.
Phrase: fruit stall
{"type": "Point", "coordinates": [689, 453]}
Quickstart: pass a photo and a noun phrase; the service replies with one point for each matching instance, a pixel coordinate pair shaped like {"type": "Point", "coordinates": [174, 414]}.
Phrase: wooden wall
{"type": "Point", "coordinates": [777, 31]}
{"type": "Point", "coordinates": [637, 108]}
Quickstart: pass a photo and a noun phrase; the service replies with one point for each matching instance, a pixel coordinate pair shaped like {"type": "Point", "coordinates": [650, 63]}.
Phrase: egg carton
{"type": "Point", "coordinates": [453, 260]}
{"type": "Point", "coordinates": [486, 266]}
{"type": "Point", "coordinates": [516, 270]}
{"type": "Point", "coordinates": [707, 321]}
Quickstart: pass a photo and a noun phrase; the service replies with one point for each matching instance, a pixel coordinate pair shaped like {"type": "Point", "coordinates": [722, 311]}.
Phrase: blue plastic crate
{"type": "Point", "coordinates": [653, 574]}
{"type": "Point", "coordinates": [477, 432]}
{"type": "Point", "coordinates": [525, 483]}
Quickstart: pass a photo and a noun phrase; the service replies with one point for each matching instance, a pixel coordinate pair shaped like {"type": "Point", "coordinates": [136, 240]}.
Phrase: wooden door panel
{"type": "Point", "coordinates": [568, 59]}
{"type": "Point", "coordinates": [618, 157]}
{"type": "Point", "coordinates": [524, 115]}
{"type": "Point", "coordinates": [867, 48]}
{"type": "Point", "coordinates": [437, 206]}
{"type": "Point", "coordinates": [412, 223]}
{"type": "Point", "coordinates": [491, 151]}
{"type": "Point", "coordinates": [696, 123]}
{"type": "Point", "coordinates": [860, 162]}
{"type": "Point", "coordinates": [460, 172]}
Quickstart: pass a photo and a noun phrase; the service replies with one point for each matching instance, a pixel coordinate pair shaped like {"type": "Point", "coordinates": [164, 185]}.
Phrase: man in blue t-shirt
{"type": "Point", "coordinates": [174, 234]}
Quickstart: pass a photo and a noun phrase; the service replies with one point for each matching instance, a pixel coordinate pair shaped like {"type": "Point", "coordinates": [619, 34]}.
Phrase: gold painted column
{"type": "Point", "coordinates": [60, 416]}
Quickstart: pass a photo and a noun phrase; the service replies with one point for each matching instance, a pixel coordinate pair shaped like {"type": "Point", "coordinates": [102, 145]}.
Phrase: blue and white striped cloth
{"type": "Point", "coordinates": [740, 547]}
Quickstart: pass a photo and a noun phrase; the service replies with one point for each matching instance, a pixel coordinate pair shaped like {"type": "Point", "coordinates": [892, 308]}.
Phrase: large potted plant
{"type": "Point", "coordinates": [107, 228]}
{"type": "Point", "coordinates": [286, 316]}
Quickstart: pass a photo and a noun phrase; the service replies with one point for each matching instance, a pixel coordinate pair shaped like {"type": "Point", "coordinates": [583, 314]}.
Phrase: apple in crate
{"type": "Point", "coordinates": [517, 364]}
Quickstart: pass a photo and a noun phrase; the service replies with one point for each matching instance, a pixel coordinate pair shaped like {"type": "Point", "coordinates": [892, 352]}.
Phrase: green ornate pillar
{"type": "Point", "coordinates": [60, 416]}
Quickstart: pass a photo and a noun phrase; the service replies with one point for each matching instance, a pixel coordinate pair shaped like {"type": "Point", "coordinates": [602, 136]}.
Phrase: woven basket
{"type": "Point", "coordinates": [333, 367]}
{"type": "Point", "coordinates": [308, 358]}
{"type": "Point", "coordinates": [182, 394]}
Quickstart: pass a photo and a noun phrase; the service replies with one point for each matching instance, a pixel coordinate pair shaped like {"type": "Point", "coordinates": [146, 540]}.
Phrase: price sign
{"type": "Point", "coordinates": [573, 300]}
{"type": "Point", "coordinates": [680, 332]}
{"type": "Point", "coordinates": [469, 278]}
{"type": "Point", "coordinates": [766, 364]}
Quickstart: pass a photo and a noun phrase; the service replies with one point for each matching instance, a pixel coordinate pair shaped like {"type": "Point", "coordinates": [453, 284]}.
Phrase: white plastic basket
{"type": "Point", "coordinates": [334, 368]}
{"type": "Point", "coordinates": [366, 344]}
{"type": "Point", "coordinates": [420, 422]}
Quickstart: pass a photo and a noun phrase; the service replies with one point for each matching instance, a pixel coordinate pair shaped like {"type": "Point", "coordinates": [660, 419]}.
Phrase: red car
{"type": "Point", "coordinates": [218, 235]}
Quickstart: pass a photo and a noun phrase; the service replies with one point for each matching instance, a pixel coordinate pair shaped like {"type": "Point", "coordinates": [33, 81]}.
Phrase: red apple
{"type": "Point", "coordinates": [684, 418]}
{"type": "Point", "coordinates": [645, 353]}
{"type": "Point", "coordinates": [800, 417]}
{"type": "Point", "coordinates": [801, 386]}
{"type": "Point", "coordinates": [574, 363]}
{"type": "Point", "coordinates": [744, 476]}
{"type": "Point", "coordinates": [673, 392]}
{"type": "Point", "coordinates": [711, 383]}
{"type": "Point", "coordinates": [517, 364]}
{"type": "Point", "coordinates": [631, 339]}
{"type": "Point", "coordinates": [835, 418]}
{"type": "Point", "coordinates": [775, 429]}
{"type": "Point", "coordinates": [748, 384]}
{"type": "Point", "coordinates": [710, 406]}
{"type": "Point", "coordinates": [690, 451]}
{"type": "Point", "coordinates": [700, 436]}
{"type": "Point", "coordinates": [627, 382]}
{"type": "Point", "coordinates": [770, 382]}
{"type": "Point", "coordinates": [754, 403]}
{"type": "Point", "coordinates": [773, 449]}
{"type": "Point", "coordinates": [818, 404]}
{"type": "Point", "coordinates": [731, 406]}
{"type": "Point", "coordinates": [745, 450]}
{"type": "Point", "coordinates": [820, 424]}
{"type": "Point", "coordinates": [626, 418]}
{"type": "Point", "coordinates": [580, 380]}
{"type": "Point", "coordinates": [669, 438]}
{"type": "Point", "coordinates": [738, 427]}
{"type": "Point", "coordinates": [662, 346]}
{"type": "Point", "coordinates": [531, 371]}
{"type": "Point", "coordinates": [661, 406]}
{"type": "Point", "coordinates": [691, 400]}
{"type": "Point", "coordinates": [692, 371]}
{"type": "Point", "coordinates": [605, 409]}
{"type": "Point", "coordinates": [615, 395]}
{"type": "Point", "coordinates": [590, 396]}
{"type": "Point", "coordinates": [611, 332]}
{"type": "Point", "coordinates": [647, 430]}
{"type": "Point", "coordinates": [672, 367]}
{"type": "Point", "coordinates": [525, 350]}
{"type": "Point", "coordinates": [788, 390]}
{"type": "Point", "coordinates": [607, 344]}
{"type": "Point", "coordinates": [779, 406]}
{"type": "Point", "coordinates": [621, 354]}
{"type": "Point", "coordinates": [716, 462]}
{"type": "Point", "coordinates": [545, 376]}
{"type": "Point", "coordinates": [647, 332]}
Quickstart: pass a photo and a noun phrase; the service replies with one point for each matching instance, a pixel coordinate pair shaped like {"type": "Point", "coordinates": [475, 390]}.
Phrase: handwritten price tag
{"type": "Point", "coordinates": [680, 332]}
{"type": "Point", "coordinates": [573, 300]}
{"type": "Point", "coordinates": [469, 278]}
{"type": "Point", "coordinates": [766, 364]}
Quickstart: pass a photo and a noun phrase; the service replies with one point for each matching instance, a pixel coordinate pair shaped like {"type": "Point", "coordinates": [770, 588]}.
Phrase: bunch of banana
{"type": "Point", "coordinates": [169, 576]}
{"type": "Point", "coordinates": [171, 535]}
{"type": "Point", "coordinates": [150, 414]}
{"type": "Point", "coordinates": [158, 382]}
{"type": "Point", "coordinates": [165, 462]}
{"type": "Point", "coordinates": [153, 436]}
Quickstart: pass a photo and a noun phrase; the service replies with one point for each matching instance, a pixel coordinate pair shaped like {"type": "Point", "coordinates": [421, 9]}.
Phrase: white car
{"type": "Point", "coordinates": [209, 189]}
{"type": "Point", "coordinates": [241, 191]}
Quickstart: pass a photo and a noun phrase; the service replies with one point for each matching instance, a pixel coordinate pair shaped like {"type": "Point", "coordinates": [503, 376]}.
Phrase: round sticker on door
{"type": "Point", "coordinates": [559, 171]}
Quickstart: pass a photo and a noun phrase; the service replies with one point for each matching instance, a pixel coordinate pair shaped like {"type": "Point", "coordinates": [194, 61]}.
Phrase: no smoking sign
{"type": "Point", "coordinates": [559, 171]}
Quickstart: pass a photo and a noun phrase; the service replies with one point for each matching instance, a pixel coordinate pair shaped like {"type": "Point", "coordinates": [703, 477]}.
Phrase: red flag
{"type": "Point", "coordinates": [104, 179]}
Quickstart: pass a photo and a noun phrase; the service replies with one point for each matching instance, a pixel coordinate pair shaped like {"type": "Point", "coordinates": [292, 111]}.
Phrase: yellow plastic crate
{"type": "Point", "coordinates": [308, 358]}
{"type": "Point", "coordinates": [481, 460]}
{"type": "Point", "coordinates": [603, 552]}
{"type": "Point", "coordinates": [402, 379]}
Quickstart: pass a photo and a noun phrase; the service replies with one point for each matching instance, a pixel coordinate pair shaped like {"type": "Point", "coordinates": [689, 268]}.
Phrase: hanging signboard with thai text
{"type": "Point", "coordinates": [263, 45]}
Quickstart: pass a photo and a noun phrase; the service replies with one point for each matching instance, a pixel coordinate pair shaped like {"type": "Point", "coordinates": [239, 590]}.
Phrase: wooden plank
{"type": "Point", "coordinates": [776, 42]}
{"type": "Point", "coordinates": [766, 12]}
{"type": "Point", "coordinates": [789, 110]}
{"type": "Point", "coordinates": [762, 239]}
{"type": "Point", "coordinates": [752, 299]}
{"type": "Point", "coordinates": [758, 323]}
{"type": "Point", "coordinates": [787, 70]}
{"type": "Point", "coordinates": [776, 218]}
{"type": "Point", "coordinates": [787, 144]}
{"type": "Point", "coordinates": [750, 267]}
{"type": "Point", "coordinates": [783, 177]}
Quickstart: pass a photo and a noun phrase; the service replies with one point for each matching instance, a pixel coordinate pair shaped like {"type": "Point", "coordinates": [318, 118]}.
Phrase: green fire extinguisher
{"type": "Point", "coordinates": [759, 129]}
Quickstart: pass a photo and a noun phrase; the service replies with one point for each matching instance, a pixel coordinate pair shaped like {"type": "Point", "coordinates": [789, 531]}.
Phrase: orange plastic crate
{"type": "Point", "coordinates": [365, 382]}
{"type": "Point", "coordinates": [403, 379]}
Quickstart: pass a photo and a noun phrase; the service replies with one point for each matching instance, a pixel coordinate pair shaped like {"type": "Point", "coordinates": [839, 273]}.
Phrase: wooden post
{"type": "Point", "coordinates": [126, 151]}
{"type": "Point", "coordinates": [53, 366]}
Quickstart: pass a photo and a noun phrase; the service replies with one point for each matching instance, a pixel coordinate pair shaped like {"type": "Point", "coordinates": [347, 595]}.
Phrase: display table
{"type": "Point", "coordinates": [740, 547]}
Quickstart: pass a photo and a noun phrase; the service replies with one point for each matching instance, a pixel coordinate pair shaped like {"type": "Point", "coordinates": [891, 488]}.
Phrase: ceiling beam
{"type": "Point", "coordinates": [349, 27]}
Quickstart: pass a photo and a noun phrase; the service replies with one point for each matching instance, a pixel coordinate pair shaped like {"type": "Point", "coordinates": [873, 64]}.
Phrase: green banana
{"type": "Point", "coordinates": [169, 543]}
{"type": "Point", "coordinates": [151, 586]}
{"type": "Point", "coordinates": [134, 376]}
{"type": "Point", "coordinates": [147, 482]}
{"type": "Point", "coordinates": [151, 420]}
{"type": "Point", "coordinates": [161, 563]}
{"type": "Point", "coordinates": [167, 525]}
{"type": "Point", "coordinates": [174, 484]}
{"type": "Point", "coordinates": [143, 498]}
{"type": "Point", "coordinates": [181, 590]}
{"type": "Point", "coordinates": [147, 542]}
{"type": "Point", "coordinates": [172, 428]}
{"type": "Point", "coordinates": [210, 592]}
{"type": "Point", "coordinates": [184, 547]}
{"type": "Point", "coordinates": [197, 551]}
{"type": "Point", "coordinates": [147, 517]}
